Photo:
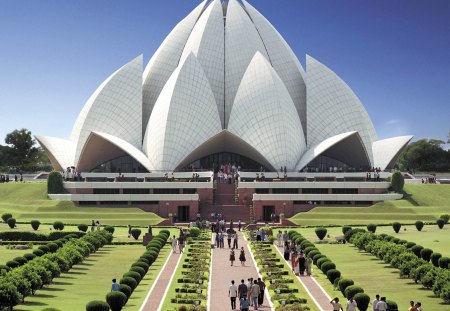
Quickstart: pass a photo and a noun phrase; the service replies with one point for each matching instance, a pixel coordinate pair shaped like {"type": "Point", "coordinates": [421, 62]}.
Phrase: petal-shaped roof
{"type": "Point", "coordinates": [165, 60]}
{"type": "Point", "coordinates": [387, 151]}
{"type": "Point", "coordinates": [185, 116]}
{"type": "Point", "coordinates": [346, 147]}
{"type": "Point", "coordinates": [283, 60]}
{"type": "Point", "coordinates": [206, 42]}
{"type": "Point", "coordinates": [242, 41]}
{"type": "Point", "coordinates": [264, 115]}
{"type": "Point", "coordinates": [333, 108]}
{"type": "Point", "coordinates": [114, 108]}
{"type": "Point", "coordinates": [60, 151]}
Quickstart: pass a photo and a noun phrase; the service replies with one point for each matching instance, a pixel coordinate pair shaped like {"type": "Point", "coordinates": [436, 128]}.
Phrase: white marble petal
{"type": "Point", "coordinates": [60, 151]}
{"type": "Point", "coordinates": [387, 151]}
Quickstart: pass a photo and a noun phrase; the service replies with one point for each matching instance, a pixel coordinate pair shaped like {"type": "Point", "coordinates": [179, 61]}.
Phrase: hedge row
{"type": "Point", "coordinates": [413, 261]}
{"type": "Point", "coordinates": [23, 281]}
{"type": "Point", "coordinates": [32, 236]}
{"type": "Point", "coordinates": [130, 280]}
{"type": "Point", "coordinates": [345, 285]}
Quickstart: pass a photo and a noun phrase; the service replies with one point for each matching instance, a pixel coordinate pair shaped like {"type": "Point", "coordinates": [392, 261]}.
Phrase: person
{"type": "Point", "coordinates": [351, 305]}
{"type": "Point", "coordinates": [336, 305]}
{"type": "Point", "coordinates": [309, 263]}
{"type": "Point", "coordinates": [92, 225]}
{"type": "Point", "coordinates": [98, 225]}
{"type": "Point", "coordinates": [239, 225]}
{"type": "Point", "coordinates": [149, 230]}
{"type": "Point", "coordinates": [262, 287]}
{"type": "Point", "coordinates": [231, 225]}
{"type": "Point", "coordinates": [232, 293]}
{"type": "Point", "coordinates": [115, 286]}
{"type": "Point", "coordinates": [221, 239]}
{"type": "Point", "coordinates": [375, 302]}
{"type": "Point", "coordinates": [244, 304]}
{"type": "Point", "coordinates": [412, 306]}
{"type": "Point", "coordinates": [382, 305]}
{"type": "Point", "coordinates": [242, 290]}
{"type": "Point", "coordinates": [129, 231]}
{"type": "Point", "coordinates": [263, 235]}
{"type": "Point", "coordinates": [254, 293]}
{"type": "Point", "coordinates": [232, 257]}
{"type": "Point", "coordinates": [280, 238]}
{"type": "Point", "coordinates": [235, 240]}
{"type": "Point", "coordinates": [258, 235]}
{"type": "Point", "coordinates": [181, 243]}
{"type": "Point", "coordinates": [229, 235]}
{"type": "Point", "coordinates": [242, 256]}
{"type": "Point", "coordinates": [419, 306]}
{"type": "Point", "coordinates": [301, 263]}
{"type": "Point", "coordinates": [285, 237]}
{"type": "Point", "coordinates": [286, 252]}
{"type": "Point", "coordinates": [174, 244]}
{"type": "Point", "coordinates": [294, 261]}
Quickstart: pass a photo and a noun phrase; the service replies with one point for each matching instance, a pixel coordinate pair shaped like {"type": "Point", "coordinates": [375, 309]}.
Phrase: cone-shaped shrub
{"type": "Point", "coordinates": [35, 224]}
{"type": "Point", "coordinates": [419, 225]}
{"type": "Point", "coordinates": [321, 232]}
{"type": "Point", "coordinates": [372, 228]}
{"type": "Point", "coordinates": [116, 300]}
{"type": "Point", "coordinates": [425, 254]}
{"type": "Point", "coordinates": [440, 222]}
{"type": "Point", "coordinates": [396, 226]}
{"type": "Point", "coordinates": [83, 227]}
{"type": "Point", "coordinates": [11, 223]}
{"type": "Point", "coordinates": [362, 300]}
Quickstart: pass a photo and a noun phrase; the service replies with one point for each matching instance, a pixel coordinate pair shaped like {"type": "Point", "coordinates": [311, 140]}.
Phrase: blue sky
{"type": "Point", "coordinates": [395, 55]}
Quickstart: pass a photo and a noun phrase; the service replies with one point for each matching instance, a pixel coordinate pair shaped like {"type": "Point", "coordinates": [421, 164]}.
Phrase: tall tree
{"type": "Point", "coordinates": [425, 155]}
{"type": "Point", "coordinates": [22, 153]}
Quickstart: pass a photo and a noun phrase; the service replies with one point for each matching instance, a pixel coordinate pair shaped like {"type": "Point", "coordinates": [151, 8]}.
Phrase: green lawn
{"type": "Point", "coordinates": [28, 201]}
{"type": "Point", "coordinates": [421, 202]}
{"type": "Point", "coordinates": [375, 277]}
{"type": "Point", "coordinates": [90, 280]}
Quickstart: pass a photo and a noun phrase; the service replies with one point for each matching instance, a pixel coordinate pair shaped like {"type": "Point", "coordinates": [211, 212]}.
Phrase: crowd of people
{"type": "Point", "coordinates": [249, 294]}
{"type": "Point", "coordinates": [4, 178]}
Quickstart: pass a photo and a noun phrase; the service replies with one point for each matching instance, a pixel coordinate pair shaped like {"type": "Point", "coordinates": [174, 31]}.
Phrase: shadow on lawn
{"type": "Point", "coordinates": [409, 197]}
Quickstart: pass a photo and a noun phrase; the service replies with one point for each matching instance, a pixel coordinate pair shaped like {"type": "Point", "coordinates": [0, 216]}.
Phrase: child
{"type": "Point", "coordinates": [242, 256]}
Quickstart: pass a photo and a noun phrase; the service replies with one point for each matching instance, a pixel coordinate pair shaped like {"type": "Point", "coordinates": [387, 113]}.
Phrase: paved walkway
{"type": "Point", "coordinates": [222, 274]}
{"type": "Point", "coordinates": [318, 295]}
{"type": "Point", "coordinates": [157, 293]}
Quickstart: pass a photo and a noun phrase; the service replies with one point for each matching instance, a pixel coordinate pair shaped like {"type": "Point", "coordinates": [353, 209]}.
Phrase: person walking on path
{"type": "Point", "coordinates": [242, 290]}
{"type": "Point", "coordinates": [221, 239]}
{"type": "Point", "coordinates": [232, 257]}
{"type": "Point", "coordinates": [382, 305]}
{"type": "Point", "coordinates": [181, 243]}
{"type": "Point", "coordinates": [336, 305]}
{"type": "Point", "coordinates": [232, 293]}
{"type": "Point", "coordinates": [255, 290]}
{"type": "Point", "coordinates": [244, 304]}
{"type": "Point", "coordinates": [279, 238]}
{"type": "Point", "coordinates": [286, 252]}
{"type": "Point", "coordinates": [235, 240]}
{"type": "Point", "coordinates": [239, 225]}
{"type": "Point", "coordinates": [294, 264]}
{"type": "Point", "coordinates": [301, 263]}
{"type": "Point", "coordinates": [375, 303]}
{"type": "Point", "coordinates": [249, 291]}
{"type": "Point", "coordinates": [242, 256]}
{"type": "Point", "coordinates": [174, 244]}
{"type": "Point", "coordinates": [309, 263]}
{"type": "Point", "coordinates": [285, 237]}
{"type": "Point", "coordinates": [351, 305]}
{"type": "Point", "coordinates": [229, 236]}
{"type": "Point", "coordinates": [262, 287]}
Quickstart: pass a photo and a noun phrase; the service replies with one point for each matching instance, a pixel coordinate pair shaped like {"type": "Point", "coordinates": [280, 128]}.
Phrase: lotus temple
{"type": "Point", "coordinates": [224, 91]}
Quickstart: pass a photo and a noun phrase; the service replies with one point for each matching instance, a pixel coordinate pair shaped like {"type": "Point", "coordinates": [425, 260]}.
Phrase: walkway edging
{"type": "Point", "coordinates": [170, 282]}
{"type": "Point", "coordinates": [208, 299]}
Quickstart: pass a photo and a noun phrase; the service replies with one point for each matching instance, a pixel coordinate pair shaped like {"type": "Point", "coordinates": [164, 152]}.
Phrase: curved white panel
{"type": "Point", "coordinates": [242, 41]}
{"type": "Point", "coordinates": [333, 108]}
{"type": "Point", "coordinates": [165, 60]}
{"type": "Point", "coordinates": [185, 115]}
{"type": "Point", "coordinates": [206, 42]}
{"type": "Point", "coordinates": [283, 61]}
{"type": "Point", "coordinates": [102, 147]}
{"type": "Point", "coordinates": [59, 151]}
{"type": "Point", "coordinates": [387, 151]}
{"type": "Point", "coordinates": [264, 115]}
{"type": "Point", "coordinates": [114, 108]}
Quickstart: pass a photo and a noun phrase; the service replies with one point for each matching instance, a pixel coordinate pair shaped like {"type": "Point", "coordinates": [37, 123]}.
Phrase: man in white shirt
{"type": "Point", "coordinates": [382, 305]}
{"type": "Point", "coordinates": [280, 238]}
{"type": "Point", "coordinates": [232, 293]}
{"type": "Point", "coordinates": [254, 294]}
{"type": "Point", "coordinates": [375, 303]}
{"type": "Point", "coordinates": [351, 305]}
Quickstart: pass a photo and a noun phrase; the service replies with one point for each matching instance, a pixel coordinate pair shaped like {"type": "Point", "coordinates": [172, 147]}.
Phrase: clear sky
{"type": "Point", "coordinates": [395, 55]}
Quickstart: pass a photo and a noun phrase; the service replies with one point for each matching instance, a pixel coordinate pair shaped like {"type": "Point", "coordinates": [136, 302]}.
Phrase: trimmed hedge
{"type": "Point", "coordinates": [55, 183]}
{"type": "Point", "coordinates": [35, 224]}
{"type": "Point", "coordinates": [11, 223]}
{"type": "Point", "coordinates": [321, 232]}
{"type": "Point", "coordinates": [344, 283]}
{"type": "Point", "coordinates": [440, 222]}
{"type": "Point", "coordinates": [352, 290]}
{"type": "Point", "coordinates": [372, 228]}
{"type": "Point", "coordinates": [97, 305]}
{"type": "Point", "coordinates": [83, 227]}
{"type": "Point", "coordinates": [58, 225]}
{"type": "Point", "coordinates": [6, 216]}
{"type": "Point", "coordinates": [419, 225]}
{"type": "Point", "coordinates": [362, 300]}
{"type": "Point", "coordinates": [116, 300]}
{"type": "Point", "coordinates": [396, 226]}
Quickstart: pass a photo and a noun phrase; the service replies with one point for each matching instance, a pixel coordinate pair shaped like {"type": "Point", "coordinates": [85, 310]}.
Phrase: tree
{"type": "Point", "coordinates": [20, 152]}
{"type": "Point", "coordinates": [425, 155]}
{"type": "Point", "coordinates": [397, 182]}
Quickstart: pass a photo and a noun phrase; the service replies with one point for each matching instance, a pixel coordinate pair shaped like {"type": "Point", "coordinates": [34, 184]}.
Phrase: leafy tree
{"type": "Point", "coordinates": [9, 296]}
{"type": "Point", "coordinates": [22, 153]}
{"type": "Point", "coordinates": [425, 155]}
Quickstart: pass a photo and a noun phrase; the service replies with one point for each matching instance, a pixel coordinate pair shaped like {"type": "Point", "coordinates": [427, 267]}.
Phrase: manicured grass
{"type": "Point", "coordinates": [90, 280]}
{"type": "Point", "coordinates": [421, 202]}
{"type": "Point", "coordinates": [376, 277]}
{"type": "Point", "coordinates": [8, 254]}
{"type": "Point", "coordinates": [28, 201]}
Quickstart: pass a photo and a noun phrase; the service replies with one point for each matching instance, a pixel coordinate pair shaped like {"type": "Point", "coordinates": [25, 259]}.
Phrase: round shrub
{"type": "Point", "coordinates": [53, 247]}
{"type": "Point", "coordinates": [20, 260]}
{"type": "Point", "coordinates": [29, 256]}
{"type": "Point", "coordinates": [97, 305]}
{"type": "Point", "coordinates": [110, 229]}
{"type": "Point", "coordinates": [425, 254]}
{"type": "Point", "coordinates": [38, 252]}
{"type": "Point", "coordinates": [321, 232]}
{"type": "Point", "coordinates": [116, 300]}
{"type": "Point", "coordinates": [304, 244]}
{"type": "Point", "coordinates": [44, 248]}
{"type": "Point", "coordinates": [129, 281]}
{"type": "Point", "coordinates": [327, 265]}
{"type": "Point", "coordinates": [321, 261]}
{"type": "Point", "coordinates": [445, 217]}
{"type": "Point", "coordinates": [352, 290]}
{"type": "Point", "coordinates": [152, 253]}
{"type": "Point", "coordinates": [139, 270]}
{"type": "Point", "coordinates": [392, 305]}
{"type": "Point", "coordinates": [397, 182]}
{"type": "Point", "coordinates": [82, 227]}
{"type": "Point", "coordinates": [9, 295]}
{"type": "Point", "coordinates": [58, 225]}
{"type": "Point", "coordinates": [395, 240]}
{"type": "Point", "coordinates": [149, 257]}
{"type": "Point", "coordinates": [145, 260]}
{"type": "Point", "coordinates": [35, 224]}
{"type": "Point", "coordinates": [141, 264]}
{"type": "Point", "coordinates": [309, 249]}
{"type": "Point", "coordinates": [362, 300]}
{"type": "Point", "coordinates": [12, 264]}
{"type": "Point", "coordinates": [372, 228]}
{"type": "Point", "coordinates": [440, 222]}
{"type": "Point", "coordinates": [6, 216]}
{"type": "Point", "coordinates": [11, 223]}
{"type": "Point", "coordinates": [410, 244]}
{"type": "Point", "coordinates": [345, 229]}
{"type": "Point", "coordinates": [443, 262]}
{"type": "Point", "coordinates": [194, 232]}
{"type": "Point", "coordinates": [416, 250]}
{"type": "Point", "coordinates": [317, 257]}
{"type": "Point", "coordinates": [396, 226]}
{"type": "Point", "coordinates": [419, 225]}
{"type": "Point", "coordinates": [136, 233]}
{"type": "Point", "coordinates": [6, 268]}
{"type": "Point", "coordinates": [154, 248]}
{"type": "Point", "coordinates": [126, 290]}
{"type": "Point", "coordinates": [313, 253]}
{"type": "Point", "coordinates": [435, 259]}
{"type": "Point", "coordinates": [59, 243]}
{"type": "Point", "coordinates": [133, 275]}
{"type": "Point", "coordinates": [402, 242]}
{"type": "Point", "coordinates": [333, 275]}
{"type": "Point", "coordinates": [344, 283]}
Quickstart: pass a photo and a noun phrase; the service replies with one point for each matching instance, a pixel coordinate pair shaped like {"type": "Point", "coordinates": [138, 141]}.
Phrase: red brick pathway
{"type": "Point", "coordinates": [156, 296]}
{"type": "Point", "coordinates": [222, 274]}
{"type": "Point", "coordinates": [318, 295]}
